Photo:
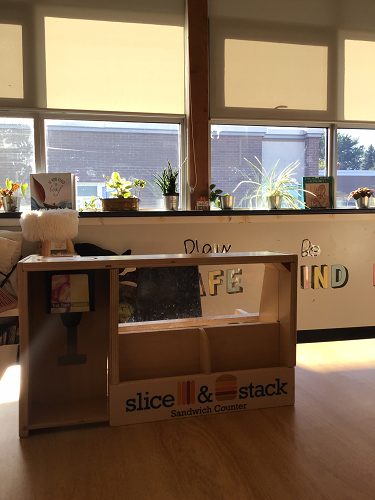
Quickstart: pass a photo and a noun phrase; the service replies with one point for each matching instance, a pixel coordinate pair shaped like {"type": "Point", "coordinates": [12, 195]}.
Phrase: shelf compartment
{"type": "Point", "coordinates": [9, 313]}
{"type": "Point", "coordinates": [74, 412]}
{"type": "Point", "coordinates": [244, 346]}
{"type": "Point", "coordinates": [163, 353]}
{"type": "Point", "coordinates": [64, 394]}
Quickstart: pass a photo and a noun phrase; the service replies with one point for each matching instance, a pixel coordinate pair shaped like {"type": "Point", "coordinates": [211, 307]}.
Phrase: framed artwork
{"type": "Point", "coordinates": [318, 192]}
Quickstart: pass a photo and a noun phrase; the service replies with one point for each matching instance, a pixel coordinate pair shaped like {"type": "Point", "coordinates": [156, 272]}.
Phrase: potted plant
{"type": "Point", "coordinates": [214, 195]}
{"type": "Point", "coordinates": [167, 182]}
{"type": "Point", "coordinates": [9, 202]}
{"type": "Point", "coordinates": [122, 199]}
{"type": "Point", "coordinates": [273, 188]}
{"type": "Point", "coordinates": [227, 201]}
{"type": "Point", "coordinates": [91, 205]}
{"type": "Point", "coordinates": [361, 196]}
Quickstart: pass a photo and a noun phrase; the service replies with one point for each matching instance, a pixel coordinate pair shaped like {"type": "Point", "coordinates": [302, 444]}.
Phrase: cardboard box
{"type": "Point", "coordinates": [199, 371]}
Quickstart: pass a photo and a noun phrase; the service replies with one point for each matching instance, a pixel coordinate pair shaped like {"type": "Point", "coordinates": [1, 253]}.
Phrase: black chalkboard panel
{"type": "Point", "coordinates": [167, 293]}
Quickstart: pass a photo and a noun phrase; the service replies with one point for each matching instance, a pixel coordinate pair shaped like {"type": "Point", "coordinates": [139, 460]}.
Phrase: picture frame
{"type": "Point", "coordinates": [321, 187]}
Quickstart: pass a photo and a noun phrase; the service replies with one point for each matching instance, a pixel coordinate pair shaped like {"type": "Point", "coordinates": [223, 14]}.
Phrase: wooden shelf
{"type": "Point", "coordinates": [152, 364]}
{"type": "Point", "coordinates": [61, 413]}
{"type": "Point", "coordinates": [9, 313]}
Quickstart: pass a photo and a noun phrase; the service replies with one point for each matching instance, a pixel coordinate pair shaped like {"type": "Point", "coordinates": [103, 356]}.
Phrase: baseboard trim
{"type": "Point", "coordinates": [335, 334]}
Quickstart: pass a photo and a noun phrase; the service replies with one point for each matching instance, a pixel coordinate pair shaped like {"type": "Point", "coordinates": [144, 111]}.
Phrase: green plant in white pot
{"type": "Point", "coordinates": [273, 188]}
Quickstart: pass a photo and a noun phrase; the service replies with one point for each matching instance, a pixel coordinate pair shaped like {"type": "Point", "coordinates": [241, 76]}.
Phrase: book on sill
{"type": "Point", "coordinates": [54, 190]}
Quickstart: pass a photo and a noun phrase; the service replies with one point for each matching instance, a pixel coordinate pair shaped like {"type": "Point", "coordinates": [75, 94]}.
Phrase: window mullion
{"type": "Point", "coordinates": [332, 159]}
{"type": "Point", "coordinates": [39, 144]}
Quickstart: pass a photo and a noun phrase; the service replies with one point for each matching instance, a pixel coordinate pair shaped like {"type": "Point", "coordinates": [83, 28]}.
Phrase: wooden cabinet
{"type": "Point", "coordinates": [167, 367]}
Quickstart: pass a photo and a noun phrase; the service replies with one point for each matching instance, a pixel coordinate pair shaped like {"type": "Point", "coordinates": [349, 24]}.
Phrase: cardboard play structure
{"type": "Point", "coordinates": [82, 367]}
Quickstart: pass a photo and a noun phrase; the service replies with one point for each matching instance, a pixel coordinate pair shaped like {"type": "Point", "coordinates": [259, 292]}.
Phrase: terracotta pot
{"type": "Point", "coordinates": [120, 204]}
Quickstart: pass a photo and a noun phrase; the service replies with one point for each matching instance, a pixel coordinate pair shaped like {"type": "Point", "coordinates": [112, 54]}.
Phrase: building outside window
{"type": "Point", "coordinates": [92, 150]}
{"type": "Point", "coordinates": [265, 147]}
{"type": "Point", "coordinates": [17, 153]}
{"type": "Point", "coordinates": [355, 163]}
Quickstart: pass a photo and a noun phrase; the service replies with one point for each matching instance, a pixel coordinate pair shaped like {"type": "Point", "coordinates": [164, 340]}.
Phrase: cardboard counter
{"type": "Point", "coordinates": [160, 369]}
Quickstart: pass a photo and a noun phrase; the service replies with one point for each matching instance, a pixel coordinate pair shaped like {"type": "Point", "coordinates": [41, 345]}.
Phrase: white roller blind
{"type": "Point", "coordinates": [292, 60]}
{"type": "Point", "coordinates": [90, 55]}
{"type": "Point", "coordinates": [359, 80]}
{"type": "Point", "coordinates": [11, 65]}
{"type": "Point", "coordinates": [112, 66]}
{"type": "Point", "coordinates": [275, 75]}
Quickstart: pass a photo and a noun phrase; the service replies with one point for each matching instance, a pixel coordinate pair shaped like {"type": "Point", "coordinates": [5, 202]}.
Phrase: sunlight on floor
{"type": "Point", "coordinates": [337, 356]}
{"type": "Point", "coordinates": [10, 385]}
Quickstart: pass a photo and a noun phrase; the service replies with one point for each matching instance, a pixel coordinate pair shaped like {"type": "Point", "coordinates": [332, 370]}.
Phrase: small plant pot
{"type": "Point", "coordinates": [11, 203]}
{"type": "Point", "coordinates": [274, 202]}
{"type": "Point", "coordinates": [363, 202]}
{"type": "Point", "coordinates": [227, 202]}
{"type": "Point", "coordinates": [171, 202]}
{"type": "Point", "coordinates": [120, 204]}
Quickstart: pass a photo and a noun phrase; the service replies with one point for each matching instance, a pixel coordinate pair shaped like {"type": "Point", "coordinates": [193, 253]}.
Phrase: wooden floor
{"type": "Point", "coordinates": [323, 448]}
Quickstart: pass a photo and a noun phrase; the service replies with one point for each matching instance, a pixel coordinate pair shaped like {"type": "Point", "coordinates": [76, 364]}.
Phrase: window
{"type": "Point", "coordinates": [93, 150]}
{"type": "Point", "coordinates": [230, 145]}
{"type": "Point", "coordinates": [17, 156]}
{"type": "Point", "coordinates": [355, 163]}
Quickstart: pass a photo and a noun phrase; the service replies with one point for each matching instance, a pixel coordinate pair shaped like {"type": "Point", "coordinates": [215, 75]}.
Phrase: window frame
{"type": "Point", "coordinates": [331, 145]}
{"type": "Point", "coordinates": [39, 118]}
{"type": "Point", "coordinates": [40, 152]}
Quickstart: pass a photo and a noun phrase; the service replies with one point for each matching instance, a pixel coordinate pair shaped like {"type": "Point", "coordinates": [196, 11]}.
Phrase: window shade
{"type": "Point", "coordinates": [11, 66]}
{"type": "Point", "coordinates": [359, 97]}
{"type": "Point", "coordinates": [101, 65]}
{"type": "Point", "coordinates": [275, 75]}
{"type": "Point", "coordinates": [271, 71]}
{"type": "Point", "coordinates": [292, 60]}
{"type": "Point", "coordinates": [118, 55]}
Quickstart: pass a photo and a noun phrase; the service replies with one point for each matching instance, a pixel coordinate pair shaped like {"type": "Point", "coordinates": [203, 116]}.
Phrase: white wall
{"type": "Point", "coordinates": [346, 239]}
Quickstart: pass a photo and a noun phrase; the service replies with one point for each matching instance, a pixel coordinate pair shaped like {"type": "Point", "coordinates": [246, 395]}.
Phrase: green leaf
{"type": "Point", "coordinates": [23, 189]}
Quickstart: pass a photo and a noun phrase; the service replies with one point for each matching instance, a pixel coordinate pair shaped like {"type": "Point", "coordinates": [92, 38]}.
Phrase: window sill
{"type": "Point", "coordinates": [208, 213]}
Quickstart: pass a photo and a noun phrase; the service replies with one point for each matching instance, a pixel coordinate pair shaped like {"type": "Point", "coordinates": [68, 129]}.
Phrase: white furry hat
{"type": "Point", "coordinates": [49, 225]}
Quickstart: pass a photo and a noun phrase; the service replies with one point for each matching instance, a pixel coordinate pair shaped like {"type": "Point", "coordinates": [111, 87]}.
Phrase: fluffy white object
{"type": "Point", "coordinates": [49, 225]}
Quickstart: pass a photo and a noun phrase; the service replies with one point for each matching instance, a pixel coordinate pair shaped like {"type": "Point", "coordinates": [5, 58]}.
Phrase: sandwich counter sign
{"type": "Point", "coordinates": [176, 397]}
